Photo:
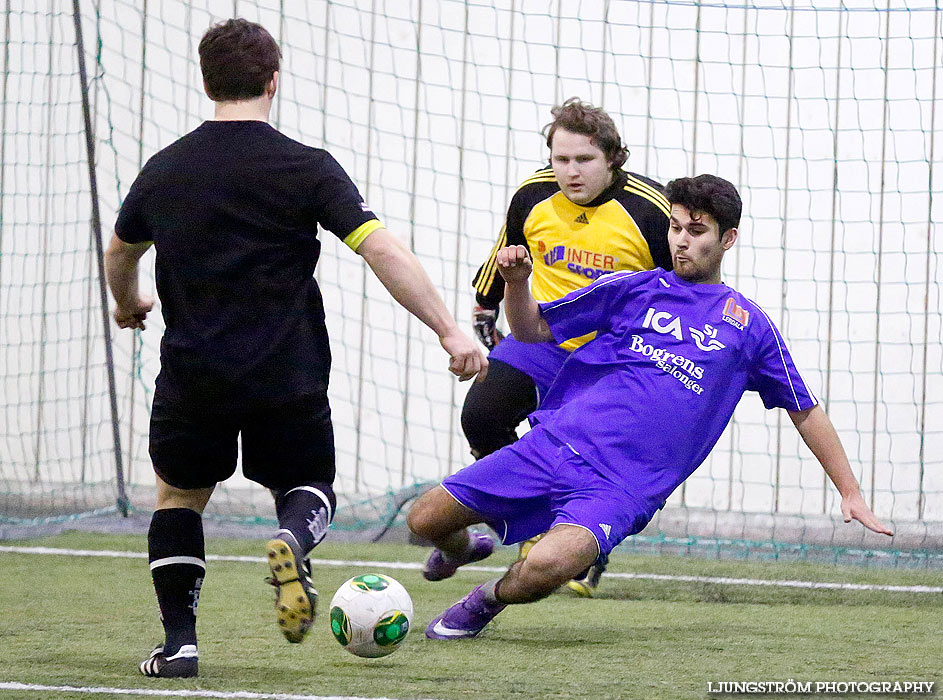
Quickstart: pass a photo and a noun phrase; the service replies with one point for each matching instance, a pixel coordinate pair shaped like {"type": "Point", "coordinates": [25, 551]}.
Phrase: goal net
{"type": "Point", "coordinates": [823, 114]}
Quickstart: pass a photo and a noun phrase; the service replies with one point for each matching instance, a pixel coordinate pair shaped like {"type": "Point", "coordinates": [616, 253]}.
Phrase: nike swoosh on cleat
{"type": "Point", "coordinates": [439, 628]}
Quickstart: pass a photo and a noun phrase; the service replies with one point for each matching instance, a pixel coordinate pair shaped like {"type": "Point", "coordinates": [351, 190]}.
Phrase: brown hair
{"type": "Point", "coordinates": [582, 118]}
{"type": "Point", "coordinates": [238, 59]}
{"type": "Point", "coordinates": [708, 193]}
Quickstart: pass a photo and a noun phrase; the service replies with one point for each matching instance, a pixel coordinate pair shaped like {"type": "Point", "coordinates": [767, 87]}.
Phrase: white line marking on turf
{"type": "Point", "coordinates": [786, 584]}
{"type": "Point", "coordinates": [819, 585]}
{"type": "Point", "coordinates": [175, 693]}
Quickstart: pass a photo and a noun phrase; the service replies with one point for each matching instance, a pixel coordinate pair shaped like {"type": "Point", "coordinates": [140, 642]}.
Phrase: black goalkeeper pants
{"type": "Point", "coordinates": [496, 406]}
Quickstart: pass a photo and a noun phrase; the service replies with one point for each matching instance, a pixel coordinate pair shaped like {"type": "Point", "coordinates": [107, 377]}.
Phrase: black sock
{"type": "Point", "coordinates": [178, 565]}
{"type": "Point", "coordinates": [305, 512]}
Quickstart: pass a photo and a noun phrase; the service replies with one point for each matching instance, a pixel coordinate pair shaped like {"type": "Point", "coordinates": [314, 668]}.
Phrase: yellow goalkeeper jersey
{"type": "Point", "coordinates": [624, 228]}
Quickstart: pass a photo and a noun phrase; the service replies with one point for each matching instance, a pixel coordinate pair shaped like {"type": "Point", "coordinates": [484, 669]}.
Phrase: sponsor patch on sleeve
{"type": "Point", "coordinates": [736, 315]}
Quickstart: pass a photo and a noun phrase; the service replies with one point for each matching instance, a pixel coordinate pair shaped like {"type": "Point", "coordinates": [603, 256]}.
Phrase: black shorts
{"type": "Point", "coordinates": [282, 446]}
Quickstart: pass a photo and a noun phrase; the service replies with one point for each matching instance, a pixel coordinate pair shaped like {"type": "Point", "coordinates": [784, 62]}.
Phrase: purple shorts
{"type": "Point", "coordinates": [539, 361]}
{"type": "Point", "coordinates": [531, 485]}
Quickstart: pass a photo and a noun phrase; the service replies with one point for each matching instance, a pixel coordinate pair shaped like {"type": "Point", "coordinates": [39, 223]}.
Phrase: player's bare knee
{"type": "Point", "coordinates": [429, 515]}
{"type": "Point", "coordinates": [419, 519]}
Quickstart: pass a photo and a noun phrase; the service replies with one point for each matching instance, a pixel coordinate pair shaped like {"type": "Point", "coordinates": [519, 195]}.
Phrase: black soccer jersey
{"type": "Point", "coordinates": [233, 209]}
{"type": "Point", "coordinates": [624, 228]}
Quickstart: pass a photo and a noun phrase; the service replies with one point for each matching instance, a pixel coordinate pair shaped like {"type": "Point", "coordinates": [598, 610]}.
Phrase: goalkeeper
{"type": "Point", "coordinates": [233, 210]}
{"type": "Point", "coordinates": [580, 218]}
{"type": "Point", "coordinates": [630, 416]}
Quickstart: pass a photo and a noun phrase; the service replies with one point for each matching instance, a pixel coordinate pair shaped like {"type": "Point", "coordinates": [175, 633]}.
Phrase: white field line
{"type": "Point", "coordinates": [154, 692]}
{"type": "Point", "coordinates": [723, 580]}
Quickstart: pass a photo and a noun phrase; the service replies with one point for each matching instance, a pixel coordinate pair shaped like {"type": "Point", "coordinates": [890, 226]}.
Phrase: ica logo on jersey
{"type": "Point", "coordinates": [663, 322]}
{"type": "Point", "coordinates": [669, 324]}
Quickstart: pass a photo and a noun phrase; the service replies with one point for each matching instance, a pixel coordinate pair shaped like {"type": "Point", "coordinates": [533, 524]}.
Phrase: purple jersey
{"type": "Point", "coordinates": [646, 401]}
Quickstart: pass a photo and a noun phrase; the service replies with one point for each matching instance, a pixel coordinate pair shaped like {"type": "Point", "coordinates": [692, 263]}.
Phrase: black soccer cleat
{"type": "Point", "coordinates": [296, 600]}
{"type": "Point", "coordinates": [183, 664]}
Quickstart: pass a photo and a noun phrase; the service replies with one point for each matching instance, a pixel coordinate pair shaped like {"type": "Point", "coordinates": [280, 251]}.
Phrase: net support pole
{"type": "Point", "coordinates": [96, 233]}
{"type": "Point", "coordinates": [922, 496]}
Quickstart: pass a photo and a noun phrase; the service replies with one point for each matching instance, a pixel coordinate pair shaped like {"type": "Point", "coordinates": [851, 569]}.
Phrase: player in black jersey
{"type": "Point", "coordinates": [233, 210]}
{"type": "Point", "coordinates": [580, 218]}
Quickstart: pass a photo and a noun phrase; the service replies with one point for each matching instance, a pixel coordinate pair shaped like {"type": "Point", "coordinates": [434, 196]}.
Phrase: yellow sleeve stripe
{"type": "Point", "coordinates": [537, 181]}
{"type": "Point", "coordinates": [538, 173]}
{"type": "Point", "coordinates": [357, 236]}
{"type": "Point", "coordinates": [634, 181]}
{"type": "Point", "coordinates": [659, 202]}
{"type": "Point", "coordinates": [545, 175]}
{"type": "Point", "coordinates": [538, 178]}
{"type": "Point", "coordinates": [486, 278]}
{"type": "Point", "coordinates": [482, 275]}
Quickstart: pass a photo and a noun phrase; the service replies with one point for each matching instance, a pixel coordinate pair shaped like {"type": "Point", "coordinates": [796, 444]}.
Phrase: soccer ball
{"type": "Point", "coordinates": [371, 615]}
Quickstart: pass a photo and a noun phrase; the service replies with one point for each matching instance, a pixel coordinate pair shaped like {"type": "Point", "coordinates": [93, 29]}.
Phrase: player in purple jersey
{"type": "Point", "coordinates": [628, 418]}
{"type": "Point", "coordinates": [580, 218]}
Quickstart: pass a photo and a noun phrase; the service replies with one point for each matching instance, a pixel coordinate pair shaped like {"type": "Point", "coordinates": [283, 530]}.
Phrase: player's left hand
{"type": "Point", "coordinates": [467, 360]}
{"type": "Point", "coordinates": [134, 316]}
{"type": "Point", "coordinates": [853, 507]}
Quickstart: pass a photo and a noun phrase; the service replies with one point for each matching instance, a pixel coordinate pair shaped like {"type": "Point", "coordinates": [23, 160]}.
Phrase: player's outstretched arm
{"type": "Point", "coordinates": [819, 434]}
{"type": "Point", "coordinates": [400, 272]}
{"type": "Point", "coordinates": [121, 272]}
{"type": "Point", "coordinates": [524, 317]}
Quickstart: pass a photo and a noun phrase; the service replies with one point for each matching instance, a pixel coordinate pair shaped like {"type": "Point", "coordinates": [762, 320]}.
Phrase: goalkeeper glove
{"type": "Point", "coordinates": [485, 324]}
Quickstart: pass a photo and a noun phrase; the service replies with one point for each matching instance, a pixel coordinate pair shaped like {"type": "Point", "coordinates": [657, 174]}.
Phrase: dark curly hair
{"type": "Point", "coordinates": [582, 118]}
{"type": "Point", "coordinates": [707, 193]}
{"type": "Point", "coordinates": [238, 59]}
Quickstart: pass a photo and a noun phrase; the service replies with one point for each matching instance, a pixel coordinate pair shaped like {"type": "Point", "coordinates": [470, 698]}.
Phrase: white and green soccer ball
{"type": "Point", "coordinates": [371, 615]}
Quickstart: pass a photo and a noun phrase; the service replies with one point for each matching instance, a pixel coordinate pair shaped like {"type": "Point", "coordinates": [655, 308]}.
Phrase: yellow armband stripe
{"type": "Point", "coordinates": [357, 236]}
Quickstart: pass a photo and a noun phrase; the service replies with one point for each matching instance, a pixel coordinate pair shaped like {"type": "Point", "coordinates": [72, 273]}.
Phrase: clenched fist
{"type": "Point", "coordinates": [514, 263]}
